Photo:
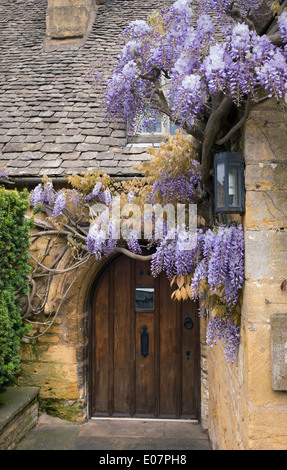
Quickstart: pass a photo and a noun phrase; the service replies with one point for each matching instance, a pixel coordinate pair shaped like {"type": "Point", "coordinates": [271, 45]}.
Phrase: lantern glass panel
{"type": "Point", "coordinates": [220, 185]}
{"type": "Point", "coordinates": [229, 183]}
{"type": "Point", "coordinates": [233, 187]}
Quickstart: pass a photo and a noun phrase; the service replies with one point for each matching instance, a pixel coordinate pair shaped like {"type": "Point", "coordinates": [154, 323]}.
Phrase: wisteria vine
{"type": "Point", "coordinates": [194, 62]}
{"type": "Point", "coordinates": [213, 261]}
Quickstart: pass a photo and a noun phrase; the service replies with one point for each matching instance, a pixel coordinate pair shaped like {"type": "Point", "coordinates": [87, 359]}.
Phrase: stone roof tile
{"type": "Point", "coordinates": [50, 119]}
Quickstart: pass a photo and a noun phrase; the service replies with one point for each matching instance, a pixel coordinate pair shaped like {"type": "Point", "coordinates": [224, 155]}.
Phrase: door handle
{"type": "Point", "coordinates": [144, 342]}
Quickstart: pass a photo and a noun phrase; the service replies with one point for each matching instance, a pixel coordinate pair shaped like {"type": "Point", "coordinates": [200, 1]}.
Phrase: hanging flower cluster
{"type": "Point", "coordinates": [3, 175]}
{"type": "Point", "coordinates": [182, 188]}
{"type": "Point", "coordinates": [221, 262]}
{"type": "Point", "coordinates": [44, 195]}
{"type": "Point", "coordinates": [223, 328]}
{"type": "Point", "coordinates": [212, 270]}
{"type": "Point", "coordinates": [220, 7]}
{"type": "Point", "coordinates": [282, 24]}
{"type": "Point", "coordinates": [215, 258]}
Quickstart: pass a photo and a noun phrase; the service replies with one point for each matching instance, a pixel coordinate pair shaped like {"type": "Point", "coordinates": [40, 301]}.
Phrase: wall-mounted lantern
{"type": "Point", "coordinates": [229, 183]}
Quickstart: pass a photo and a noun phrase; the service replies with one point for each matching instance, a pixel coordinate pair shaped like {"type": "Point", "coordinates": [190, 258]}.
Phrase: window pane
{"type": "Point", "coordinates": [172, 128]}
{"type": "Point", "coordinates": [144, 298]}
{"type": "Point", "coordinates": [150, 128]}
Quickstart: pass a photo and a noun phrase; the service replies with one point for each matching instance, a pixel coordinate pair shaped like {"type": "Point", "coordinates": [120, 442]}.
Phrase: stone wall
{"type": "Point", "coordinates": [245, 412]}
{"type": "Point", "coordinates": [57, 361]}
{"type": "Point", "coordinates": [18, 414]}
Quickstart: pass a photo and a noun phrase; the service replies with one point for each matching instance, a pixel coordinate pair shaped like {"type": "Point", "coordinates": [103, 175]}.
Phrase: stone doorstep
{"type": "Point", "coordinates": [13, 403]}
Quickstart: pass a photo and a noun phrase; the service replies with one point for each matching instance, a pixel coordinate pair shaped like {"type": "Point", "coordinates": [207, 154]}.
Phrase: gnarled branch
{"type": "Point", "coordinates": [219, 109]}
{"type": "Point", "coordinates": [131, 255]}
{"type": "Point", "coordinates": [237, 126]}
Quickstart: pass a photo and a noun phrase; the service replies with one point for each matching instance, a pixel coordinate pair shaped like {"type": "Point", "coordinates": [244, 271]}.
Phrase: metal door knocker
{"type": "Point", "coordinates": [188, 323]}
{"type": "Point", "coordinates": [144, 341]}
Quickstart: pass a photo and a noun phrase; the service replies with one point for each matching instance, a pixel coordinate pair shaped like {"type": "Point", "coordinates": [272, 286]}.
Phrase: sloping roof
{"type": "Point", "coordinates": [50, 120]}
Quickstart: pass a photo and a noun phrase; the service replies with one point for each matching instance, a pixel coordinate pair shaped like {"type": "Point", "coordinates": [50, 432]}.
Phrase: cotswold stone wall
{"type": "Point", "coordinates": [245, 412]}
{"type": "Point", "coordinates": [57, 362]}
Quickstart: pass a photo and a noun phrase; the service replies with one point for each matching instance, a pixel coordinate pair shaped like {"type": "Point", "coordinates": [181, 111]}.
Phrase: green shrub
{"type": "Point", "coordinates": [14, 268]}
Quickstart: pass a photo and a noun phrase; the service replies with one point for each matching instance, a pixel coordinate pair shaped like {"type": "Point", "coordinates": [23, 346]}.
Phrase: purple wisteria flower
{"type": "Point", "coordinates": [105, 197]}
{"type": "Point", "coordinates": [185, 49]}
{"type": "Point", "coordinates": [221, 262]}
{"type": "Point", "coordinates": [175, 253]}
{"type": "Point", "coordinates": [181, 188]}
{"type": "Point", "coordinates": [102, 237]}
{"type": "Point", "coordinates": [217, 258]}
{"type": "Point", "coordinates": [186, 96]}
{"type": "Point", "coordinates": [282, 24]}
{"type": "Point", "coordinates": [42, 194]}
{"type": "Point", "coordinates": [133, 243]}
{"type": "Point", "coordinates": [36, 195]}
{"type": "Point", "coordinates": [137, 29]}
{"type": "Point", "coordinates": [95, 192]}
{"type": "Point", "coordinates": [3, 175]}
{"type": "Point", "coordinates": [59, 206]}
{"type": "Point", "coordinates": [223, 328]}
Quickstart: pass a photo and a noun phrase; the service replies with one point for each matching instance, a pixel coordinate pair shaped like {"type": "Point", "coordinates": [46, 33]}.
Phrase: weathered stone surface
{"type": "Point", "coordinates": [263, 135]}
{"type": "Point", "coordinates": [266, 209]}
{"type": "Point", "coordinates": [264, 176]}
{"type": "Point", "coordinates": [18, 414]}
{"type": "Point", "coordinates": [265, 254]}
{"type": "Point", "coordinates": [67, 19]}
{"type": "Point", "coordinates": [54, 379]}
{"type": "Point", "coordinates": [269, 437]}
{"type": "Point", "coordinates": [279, 351]}
{"type": "Point", "coordinates": [261, 298]}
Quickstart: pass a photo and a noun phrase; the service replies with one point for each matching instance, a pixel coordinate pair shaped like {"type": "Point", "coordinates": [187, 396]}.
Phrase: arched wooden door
{"type": "Point", "coordinates": [144, 347]}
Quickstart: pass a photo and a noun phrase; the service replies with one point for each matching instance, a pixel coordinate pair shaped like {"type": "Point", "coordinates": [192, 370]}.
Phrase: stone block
{"type": "Point", "coordinates": [67, 18]}
{"type": "Point", "coordinates": [18, 414]}
{"type": "Point", "coordinates": [54, 379]}
{"type": "Point", "coordinates": [279, 351]}
{"type": "Point", "coordinates": [260, 299]}
{"type": "Point", "coordinates": [267, 428]}
{"type": "Point", "coordinates": [265, 143]}
{"type": "Point", "coordinates": [266, 209]}
{"type": "Point", "coordinates": [265, 176]}
{"type": "Point", "coordinates": [265, 254]}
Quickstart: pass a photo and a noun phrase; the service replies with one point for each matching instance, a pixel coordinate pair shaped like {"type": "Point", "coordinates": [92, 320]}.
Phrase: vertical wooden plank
{"type": "Point", "coordinates": [178, 341]}
{"type": "Point", "coordinates": [133, 339]}
{"type": "Point", "coordinates": [145, 370]}
{"type": "Point", "coordinates": [157, 285]}
{"type": "Point", "coordinates": [100, 350]}
{"type": "Point", "coordinates": [145, 366]}
{"type": "Point", "coordinates": [190, 367]}
{"type": "Point", "coordinates": [169, 355]}
{"type": "Point", "coordinates": [122, 336]}
{"type": "Point", "coordinates": [111, 342]}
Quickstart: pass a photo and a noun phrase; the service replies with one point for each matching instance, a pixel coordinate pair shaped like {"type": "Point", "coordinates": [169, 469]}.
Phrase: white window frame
{"type": "Point", "coordinates": [151, 138]}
